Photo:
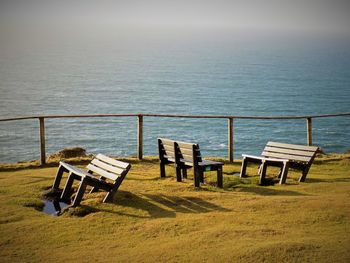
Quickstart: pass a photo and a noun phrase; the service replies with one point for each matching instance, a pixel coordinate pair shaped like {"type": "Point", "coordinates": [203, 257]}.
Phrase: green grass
{"type": "Point", "coordinates": [161, 220]}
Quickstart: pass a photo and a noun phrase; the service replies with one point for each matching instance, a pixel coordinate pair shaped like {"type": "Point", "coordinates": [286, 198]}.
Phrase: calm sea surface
{"type": "Point", "coordinates": [192, 76]}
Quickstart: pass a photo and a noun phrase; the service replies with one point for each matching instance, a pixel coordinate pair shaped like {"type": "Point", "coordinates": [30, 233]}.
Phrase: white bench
{"type": "Point", "coordinates": [102, 173]}
{"type": "Point", "coordinates": [282, 155]}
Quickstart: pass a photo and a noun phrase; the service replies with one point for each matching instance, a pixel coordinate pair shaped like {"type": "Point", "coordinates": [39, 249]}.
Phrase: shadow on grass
{"type": "Point", "coordinates": [330, 180]}
{"type": "Point", "coordinates": [160, 206]}
{"type": "Point", "coordinates": [261, 190]}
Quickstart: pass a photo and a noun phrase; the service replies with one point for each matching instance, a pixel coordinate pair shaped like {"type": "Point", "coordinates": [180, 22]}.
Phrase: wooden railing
{"type": "Point", "coordinates": [140, 119]}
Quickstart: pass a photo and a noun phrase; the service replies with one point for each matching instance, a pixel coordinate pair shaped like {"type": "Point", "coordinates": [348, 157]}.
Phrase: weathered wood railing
{"type": "Point", "coordinates": [140, 118]}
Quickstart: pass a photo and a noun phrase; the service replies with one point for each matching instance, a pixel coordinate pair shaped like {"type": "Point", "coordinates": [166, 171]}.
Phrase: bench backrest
{"type": "Point", "coordinates": [177, 150]}
{"type": "Point", "coordinates": [296, 153]}
{"type": "Point", "coordinates": [166, 149]}
{"type": "Point", "coordinates": [107, 167]}
{"type": "Point", "coordinates": [189, 152]}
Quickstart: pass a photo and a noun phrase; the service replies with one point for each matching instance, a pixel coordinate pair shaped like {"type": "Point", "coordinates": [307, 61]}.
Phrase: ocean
{"type": "Point", "coordinates": [192, 75]}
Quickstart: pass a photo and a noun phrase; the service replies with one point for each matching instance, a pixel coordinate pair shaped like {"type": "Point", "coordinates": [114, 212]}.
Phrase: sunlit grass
{"type": "Point", "coordinates": [161, 220]}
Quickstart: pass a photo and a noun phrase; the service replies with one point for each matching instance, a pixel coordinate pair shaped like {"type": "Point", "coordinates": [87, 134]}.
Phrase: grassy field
{"type": "Point", "coordinates": [160, 220]}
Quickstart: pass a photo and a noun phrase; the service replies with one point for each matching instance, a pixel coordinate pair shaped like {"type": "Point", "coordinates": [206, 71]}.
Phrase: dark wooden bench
{"type": "Point", "coordinates": [102, 173]}
{"type": "Point", "coordinates": [185, 156]}
{"type": "Point", "coordinates": [282, 155]}
{"type": "Point", "coordinates": [166, 149]}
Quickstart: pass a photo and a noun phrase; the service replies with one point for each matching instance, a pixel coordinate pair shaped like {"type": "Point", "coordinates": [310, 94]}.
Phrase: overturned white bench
{"type": "Point", "coordinates": [282, 155]}
{"type": "Point", "coordinates": [102, 173]}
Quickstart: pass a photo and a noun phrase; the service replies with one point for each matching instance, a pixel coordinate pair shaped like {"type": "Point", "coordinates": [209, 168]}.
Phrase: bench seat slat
{"type": "Point", "coordinates": [113, 162]}
{"type": "Point", "coordinates": [289, 151]}
{"type": "Point", "coordinates": [293, 146]}
{"type": "Point", "coordinates": [265, 158]}
{"type": "Point", "coordinates": [107, 167]}
{"type": "Point", "coordinates": [102, 172]}
{"type": "Point", "coordinates": [202, 163]}
{"type": "Point", "coordinates": [286, 156]}
{"type": "Point", "coordinates": [74, 169]}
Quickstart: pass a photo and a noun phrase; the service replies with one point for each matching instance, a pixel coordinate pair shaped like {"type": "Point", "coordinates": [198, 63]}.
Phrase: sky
{"type": "Point", "coordinates": [325, 16]}
{"type": "Point", "coordinates": [38, 24]}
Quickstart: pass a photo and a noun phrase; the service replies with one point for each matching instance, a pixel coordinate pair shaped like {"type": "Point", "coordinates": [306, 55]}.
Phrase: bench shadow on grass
{"type": "Point", "coordinates": [330, 180]}
{"type": "Point", "coordinates": [261, 190]}
{"type": "Point", "coordinates": [160, 206]}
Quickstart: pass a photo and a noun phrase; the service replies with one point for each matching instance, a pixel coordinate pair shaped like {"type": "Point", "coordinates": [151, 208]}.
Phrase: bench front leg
{"type": "Point", "coordinates": [178, 172]}
{"type": "Point", "coordinates": [244, 167]}
{"type": "Point", "coordinates": [162, 169]}
{"type": "Point", "coordinates": [304, 174]}
{"type": "Point", "coordinates": [219, 177]}
{"type": "Point", "coordinates": [184, 172]}
{"type": "Point", "coordinates": [284, 172]}
{"type": "Point", "coordinates": [201, 175]}
{"type": "Point", "coordinates": [68, 187]}
{"type": "Point", "coordinates": [58, 178]}
{"type": "Point", "coordinates": [196, 177]}
{"type": "Point", "coordinates": [80, 193]}
{"type": "Point", "coordinates": [263, 169]}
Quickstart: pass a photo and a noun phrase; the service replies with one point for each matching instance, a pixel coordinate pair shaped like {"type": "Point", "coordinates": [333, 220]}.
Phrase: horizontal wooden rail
{"type": "Point", "coordinates": [140, 118]}
{"type": "Point", "coordinates": [176, 116]}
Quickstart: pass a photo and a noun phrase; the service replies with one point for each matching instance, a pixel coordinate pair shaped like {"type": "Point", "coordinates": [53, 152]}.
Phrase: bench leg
{"type": "Point", "coordinates": [219, 179]}
{"type": "Point", "coordinates": [109, 196]}
{"type": "Point", "coordinates": [178, 173]}
{"type": "Point", "coordinates": [304, 174]}
{"type": "Point", "coordinates": [184, 173]}
{"type": "Point", "coordinates": [284, 172]}
{"type": "Point", "coordinates": [56, 183]}
{"type": "Point", "coordinates": [162, 169]}
{"type": "Point", "coordinates": [114, 188]}
{"type": "Point", "coordinates": [80, 193]}
{"type": "Point", "coordinates": [244, 167]}
{"type": "Point", "coordinates": [68, 187]}
{"type": "Point", "coordinates": [262, 173]}
{"type": "Point", "coordinates": [201, 176]}
{"type": "Point", "coordinates": [96, 188]}
{"type": "Point", "coordinates": [196, 177]}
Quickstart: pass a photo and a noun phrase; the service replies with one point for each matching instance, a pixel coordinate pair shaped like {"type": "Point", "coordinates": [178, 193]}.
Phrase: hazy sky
{"type": "Point", "coordinates": [326, 16]}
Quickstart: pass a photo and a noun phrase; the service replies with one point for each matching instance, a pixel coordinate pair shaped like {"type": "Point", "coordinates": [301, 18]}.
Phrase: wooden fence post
{"type": "Point", "coordinates": [309, 131]}
{"type": "Point", "coordinates": [140, 137]}
{"type": "Point", "coordinates": [230, 139]}
{"type": "Point", "coordinates": [42, 141]}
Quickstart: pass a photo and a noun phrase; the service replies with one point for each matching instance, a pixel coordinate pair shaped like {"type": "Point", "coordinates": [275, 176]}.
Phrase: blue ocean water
{"type": "Point", "coordinates": [193, 75]}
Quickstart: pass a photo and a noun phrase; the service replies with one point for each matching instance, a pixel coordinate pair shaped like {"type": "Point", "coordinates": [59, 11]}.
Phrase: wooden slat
{"type": "Point", "coordinates": [166, 141]}
{"type": "Point", "coordinates": [170, 158]}
{"type": "Point", "coordinates": [286, 156]}
{"type": "Point", "coordinates": [187, 156]}
{"type": "Point", "coordinates": [74, 169]}
{"type": "Point", "coordinates": [107, 167]}
{"type": "Point", "coordinates": [168, 147]}
{"type": "Point", "coordinates": [293, 146]}
{"type": "Point", "coordinates": [187, 151]}
{"type": "Point", "coordinates": [186, 145]}
{"type": "Point", "coordinates": [264, 158]}
{"type": "Point", "coordinates": [289, 151]}
{"type": "Point", "coordinates": [209, 162]}
{"type": "Point", "coordinates": [113, 162]}
{"type": "Point", "coordinates": [170, 153]}
{"type": "Point", "coordinates": [102, 172]}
